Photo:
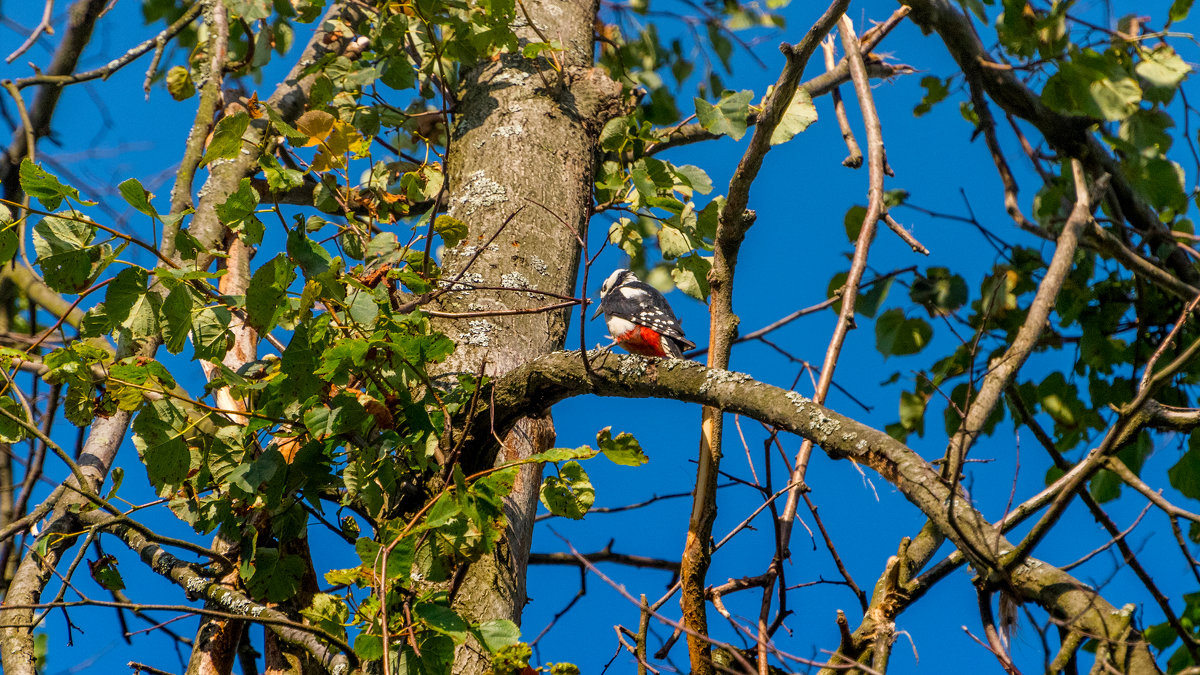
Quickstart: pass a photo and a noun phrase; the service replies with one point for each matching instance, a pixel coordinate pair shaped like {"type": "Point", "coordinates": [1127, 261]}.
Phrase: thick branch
{"type": "Point", "coordinates": [561, 375]}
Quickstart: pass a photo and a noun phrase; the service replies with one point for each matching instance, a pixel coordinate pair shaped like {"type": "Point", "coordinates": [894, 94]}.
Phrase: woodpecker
{"type": "Point", "coordinates": [639, 318]}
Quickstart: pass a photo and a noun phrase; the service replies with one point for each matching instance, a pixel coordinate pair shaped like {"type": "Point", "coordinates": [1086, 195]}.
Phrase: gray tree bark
{"type": "Point", "coordinates": [524, 140]}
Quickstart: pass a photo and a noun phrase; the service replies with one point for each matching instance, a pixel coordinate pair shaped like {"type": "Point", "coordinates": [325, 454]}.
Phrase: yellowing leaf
{"type": "Point", "coordinates": [316, 124]}
{"type": "Point", "coordinates": [342, 140]}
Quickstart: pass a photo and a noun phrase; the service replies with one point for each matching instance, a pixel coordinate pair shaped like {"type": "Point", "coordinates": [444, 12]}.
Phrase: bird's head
{"type": "Point", "coordinates": [618, 278]}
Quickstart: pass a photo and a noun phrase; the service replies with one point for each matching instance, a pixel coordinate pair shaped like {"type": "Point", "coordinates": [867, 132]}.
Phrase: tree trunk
{"type": "Point", "coordinates": [524, 140]}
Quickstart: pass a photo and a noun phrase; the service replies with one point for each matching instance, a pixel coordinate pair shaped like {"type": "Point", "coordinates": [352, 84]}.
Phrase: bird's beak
{"type": "Point", "coordinates": [599, 308]}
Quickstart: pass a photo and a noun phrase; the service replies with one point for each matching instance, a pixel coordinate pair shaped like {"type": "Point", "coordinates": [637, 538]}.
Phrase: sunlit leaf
{"type": "Point", "coordinates": [728, 116]}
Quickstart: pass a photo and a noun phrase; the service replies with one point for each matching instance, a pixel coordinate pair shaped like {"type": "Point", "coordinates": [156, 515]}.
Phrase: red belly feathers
{"type": "Point", "coordinates": [642, 340]}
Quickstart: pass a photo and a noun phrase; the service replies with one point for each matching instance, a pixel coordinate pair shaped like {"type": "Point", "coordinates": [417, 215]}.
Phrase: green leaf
{"type": "Point", "coordinates": [329, 613]}
{"type": "Point", "coordinates": [560, 454]}
{"type": "Point", "coordinates": [1185, 475]}
{"type": "Point", "coordinates": [1162, 67]}
{"type": "Point", "coordinates": [451, 230]}
{"type": "Point", "coordinates": [104, 571]}
{"type": "Point", "coordinates": [673, 243]}
{"type": "Point", "coordinates": [1179, 10]}
{"type": "Point", "coordinates": [310, 256]}
{"type": "Point", "coordinates": [8, 236]}
{"type": "Point", "coordinates": [363, 308]}
{"type": "Point", "coordinates": [226, 140]}
{"type": "Point", "coordinates": [936, 91]}
{"type": "Point", "coordinates": [158, 436]}
{"type": "Point", "coordinates": [690, 275]}
{"type": "Point", "coordinates": [896, 335]}
{"type": "Point", "coordinates": [436, 657]}
{"type": "Point", "coordinates": [800, 113]}
{"type": "Point", "coordinates": [179, 83]}
{"type": "Point", "coordinates": [272, 575]}
{"type": "Point", "coordinates": [624, 449]}
{"type": "Point", "coordinates": [10, 430]}
{"type": "Point", "coordinates": [443, 620]}
{"type": "Point", "coordinates": [129, 305]}
{"type": "Point", "coordinates": [912, 412]}
{"type": "Point", "coordinates": [176, 313]}
{"type": "Point", "coordinates": [138, 197]}
{"type": "Point", "coordinates": [1159, 179]}
{"type": "Point", "coordinates": [497, 634]}
{"type": "Point", "coordinates": [570, 493]}
{"type": "Point", "coordinates": [237, 212]}
{"type": "Point", "coordinates": [614, 133]}
{"type": "Point", "coordinates": [279, 177]}
{"type": "Point", "coordinates": [1093, 84]}
{"type": "Point", "coordinates": [64, 252]}
{"type": "Point", "coordinates": [368, 647]}
{"type": "Point", "coordinates": [211, 337]}
{"type": "Point", "coordinates": [694, 177]}
{"type": "Point", "coordinates": [531, 50]}
{"type": "Point", "coordinates": [729, 116]}
{"type": "Point", "coordinates": [79, 407]}
{"type": "Point", "coordinates": [266, 296]}
{"type": "Point", "coordinates": [939, 291]}
{"type": "Point", "coordinates": [1161, 635]}
{"type": "Point", "coordinates": [45, 186]}
{"type": "Point", "coordinates": [412, 281]}
{"type": "Point", "coordinates": [853, 221]}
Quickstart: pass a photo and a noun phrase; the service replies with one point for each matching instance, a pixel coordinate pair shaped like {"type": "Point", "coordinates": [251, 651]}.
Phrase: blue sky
{"type": "Point", "coordinates": [795, 247]}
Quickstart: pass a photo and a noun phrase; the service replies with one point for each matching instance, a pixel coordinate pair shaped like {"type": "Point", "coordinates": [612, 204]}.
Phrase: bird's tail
{"type": "Point", "coordinates": [674, 348]}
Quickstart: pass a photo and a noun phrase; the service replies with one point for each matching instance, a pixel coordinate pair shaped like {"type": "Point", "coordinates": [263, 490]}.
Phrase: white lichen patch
{"type": "Point", "coordinates": [479, 192]}
{"type": "Point", "coordinates": [195, 585]}
{"type": "Point", "coordinates": [823, 424]}
{"type": "Point", "coordinates": [478, 333]}
{"type": "Point", "coordinates": [633, 366]}
{"type": "Point", "coordinates": [511, 75]}
{"type": "Point", "coordinates": [718, 376]}
{"type": "Point", "coordinates": [539, 265]}
{"type": "Point", "coordinates": [514, 280]}
{"type": "Point", "coordinates": [463, 284]}
{"type": "Point", "coordinates": [216, 163]}
{"type": "Point", "coordinates": [797, 400]}
{"type": "Point", "coordinates": [515, 107]}
{"type": "Point", "coordinates": [509, 130]}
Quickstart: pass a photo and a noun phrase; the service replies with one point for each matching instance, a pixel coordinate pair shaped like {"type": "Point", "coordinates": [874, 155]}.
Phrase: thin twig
{"type": "Point", "coordinates": [42, 27]}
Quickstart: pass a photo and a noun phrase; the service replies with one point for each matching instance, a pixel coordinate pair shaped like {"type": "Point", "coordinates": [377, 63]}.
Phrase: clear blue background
{"type": "Point", "coordinates": [105, 132]}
